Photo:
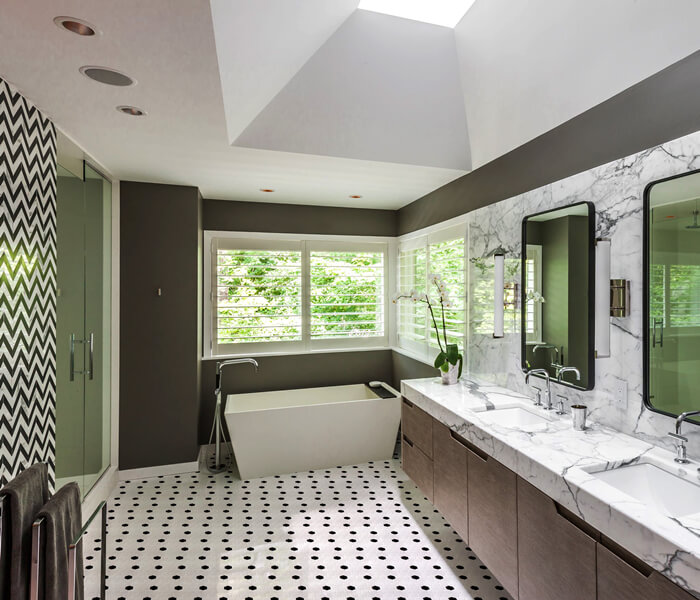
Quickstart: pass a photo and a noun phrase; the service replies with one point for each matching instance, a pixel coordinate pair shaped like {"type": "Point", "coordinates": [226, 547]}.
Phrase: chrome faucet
{"type": "Point", "coordinates": [548, 391]}
{"type": "Point", "coordinates": [225, 363]}
{"type": "Point", "coordinates": [681, 452]}
{"type": "Point", "coordinates": [573, 370]}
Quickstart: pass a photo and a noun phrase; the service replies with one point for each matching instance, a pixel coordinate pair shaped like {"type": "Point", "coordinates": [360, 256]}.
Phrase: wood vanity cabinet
{"type": "Point", "coordinates": [417, 446]}
{"type": "Point", "coordinates": [556, 550]}
{"type": "Point", "coordinates": [417, 466]}
{"type": "Point", "coordinates": [417, 426]}
{"type": "Point", "coordinates": [450, 478]}
{"type": "Point", "coordinates": [622, 576]}
{"type": "Point", "coordinates": [493, 516]}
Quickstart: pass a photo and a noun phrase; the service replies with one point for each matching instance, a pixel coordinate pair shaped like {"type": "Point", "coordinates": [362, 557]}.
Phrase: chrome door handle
{"type": "Point", "coordinates": [656, 322]}
{"type": "Point", "coordinates": [71, 368]}
{"type": "Point", "coordinates": [91, 372]}
{"type": "Point", "coordinates": [73, 342]}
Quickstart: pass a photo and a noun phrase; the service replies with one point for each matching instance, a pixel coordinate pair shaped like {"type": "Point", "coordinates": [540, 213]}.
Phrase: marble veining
{"type": "Point", "coordinates": [616, 190]}
{"type": "Point", "coordinates": [561, 461]}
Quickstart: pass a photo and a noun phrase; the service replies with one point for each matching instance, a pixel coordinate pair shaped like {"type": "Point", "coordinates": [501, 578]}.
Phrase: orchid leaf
{"type": "Point", "coordinates": [440, 360]}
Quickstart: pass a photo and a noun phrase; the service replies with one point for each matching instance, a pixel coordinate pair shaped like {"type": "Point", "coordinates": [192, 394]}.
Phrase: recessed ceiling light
{"type": "Point", "coordinates": [438, 12]}
{"type": "Point", "coordinates": [355, 196]}
{"type": "Point", "coordinates": [107, 75]}
{"type": "Point", "coordinates": [77, 26]}
{"type": "Point", "coordinates": [268, 190]}
{"type": "Point", "coordinates": [131, 110]}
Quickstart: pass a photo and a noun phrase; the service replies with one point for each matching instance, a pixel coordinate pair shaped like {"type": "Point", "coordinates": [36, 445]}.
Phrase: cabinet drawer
{"type": "Point", "coordinates": [493, 517]}
{"type": "Point", "coordinates": [450, 478]}
{"type": "Point", "coordinates": [417, 466]}
{"type": "Point", "coordinates": [556, 550]}
{"type": "Point", "coordinates": [622, 576]}
{"type": "Point", "coordinates": [417, 425]}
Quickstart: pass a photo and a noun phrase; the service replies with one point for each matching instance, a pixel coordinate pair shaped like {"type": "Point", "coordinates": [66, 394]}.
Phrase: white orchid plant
{"type": "Point", "coordinates": [533, 296]}
{"type": "Point", "coordinates": [449, 354]}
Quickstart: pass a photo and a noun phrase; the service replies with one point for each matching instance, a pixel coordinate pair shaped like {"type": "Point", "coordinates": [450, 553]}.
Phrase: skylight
{"type": "Point", "coordinates": [438, 12]}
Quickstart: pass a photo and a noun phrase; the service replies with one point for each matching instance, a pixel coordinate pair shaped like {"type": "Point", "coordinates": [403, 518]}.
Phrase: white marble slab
{"type": "Point", "coordinates": [558, 460]}
{"type": "Point", "coordinates": [617, 191]}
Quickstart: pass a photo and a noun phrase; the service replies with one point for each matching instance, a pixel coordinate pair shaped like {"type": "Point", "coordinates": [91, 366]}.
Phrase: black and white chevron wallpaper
{"type": "Point", "coordinates": [27, 285]}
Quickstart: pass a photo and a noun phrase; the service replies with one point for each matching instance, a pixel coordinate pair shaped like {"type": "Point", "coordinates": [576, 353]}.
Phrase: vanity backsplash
{"type": "Point", "coordinates": [616, 189]}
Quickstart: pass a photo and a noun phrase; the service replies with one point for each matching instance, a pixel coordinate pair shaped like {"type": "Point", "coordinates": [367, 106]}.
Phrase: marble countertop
{"type": "Point", "coordinates": [559, 461]}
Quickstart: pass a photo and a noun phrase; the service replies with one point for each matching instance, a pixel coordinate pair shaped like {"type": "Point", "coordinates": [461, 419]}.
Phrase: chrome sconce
{"type": "Point", "coordinates": [612, 298]}
{"type": "Point", "coordinates": [499, 261]}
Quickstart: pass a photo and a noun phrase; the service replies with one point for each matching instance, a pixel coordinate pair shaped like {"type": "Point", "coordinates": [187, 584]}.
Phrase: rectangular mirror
{"type": "Point", "coordinates": [557, 307]}
{"type": "Point", "coordinates": [672, 294]}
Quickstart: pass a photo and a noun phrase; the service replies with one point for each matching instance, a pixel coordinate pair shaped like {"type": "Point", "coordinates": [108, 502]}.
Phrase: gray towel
{"type": "Point", "coordinates": [26, 494]}
{"type": "Point", "coordinates": [62, 524]}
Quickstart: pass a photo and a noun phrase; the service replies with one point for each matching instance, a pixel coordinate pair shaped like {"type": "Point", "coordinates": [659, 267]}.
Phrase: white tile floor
{"type": "Point", "coordinates": [357, 532]}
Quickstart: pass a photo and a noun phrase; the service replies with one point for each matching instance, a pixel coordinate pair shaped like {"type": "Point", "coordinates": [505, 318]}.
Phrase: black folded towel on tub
{"type": "Point", "coordinates": [24, 497]}
{"type": "Point", "coordinates": [62, 524]}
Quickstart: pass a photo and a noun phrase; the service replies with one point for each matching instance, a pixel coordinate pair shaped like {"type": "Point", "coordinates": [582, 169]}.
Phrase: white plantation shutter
{"type": "Point", "coordinates": [684, 296]}
{"type": "Point", "coordinates": [270, 295]}
{"type": "Point", "coordinates": [447, 259]}
{"type": "Point", "coordinates": [346, 292]}
{"type": "Point", "coordinates": [444, 253]}
{"type": "Point", "coordinates": [257, 295]}
{"type": "Point", "coordinates": [412, 317]}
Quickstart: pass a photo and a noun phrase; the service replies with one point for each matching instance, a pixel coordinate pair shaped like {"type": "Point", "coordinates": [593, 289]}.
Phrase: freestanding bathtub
{"type": "Point", "coordinates": [273, 433]}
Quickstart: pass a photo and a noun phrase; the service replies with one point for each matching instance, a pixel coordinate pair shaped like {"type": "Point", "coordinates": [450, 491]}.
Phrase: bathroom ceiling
{"type": "Point", "coordinates": [195, 109]}
{"type": "Point", "coordinates": [319, 100]}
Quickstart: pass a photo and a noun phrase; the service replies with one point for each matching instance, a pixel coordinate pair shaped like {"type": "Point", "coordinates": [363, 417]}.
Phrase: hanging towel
{"type": "Point", "coordinates": [62, 524]}
{"type": "Point", "coordinates": [24, 497]}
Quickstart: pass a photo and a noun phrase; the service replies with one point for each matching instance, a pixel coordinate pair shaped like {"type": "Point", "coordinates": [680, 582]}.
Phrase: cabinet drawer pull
{"type": "Point", "coordinates": [569, 517]}
{"type": "Point", "coordinates": [407, 402]}
{"type": "Point", "coordinates": [631, 561]}
{"type": "Point", "coordinates": [409, 442]}
{"type": "Point", "coordinates": [478, 452]}
{"type": "Point", "coordinates": [459, 439]}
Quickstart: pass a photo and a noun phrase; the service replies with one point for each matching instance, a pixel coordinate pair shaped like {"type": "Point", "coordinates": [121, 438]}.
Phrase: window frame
{"type": "Point", "coordinates": [442, 232]}
{"type": "Point", "coordinates": [306, 244]}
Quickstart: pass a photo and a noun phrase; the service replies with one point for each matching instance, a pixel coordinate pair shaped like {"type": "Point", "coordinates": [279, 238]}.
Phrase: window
{"type": "Point", "coordinates": [533, 283]}
{"type": "Point", "coordinates": [441, 252]}
{"type": "Point", "coordinates": [684, 296]}
{"type": "Point", "coordinates": [286, 295]}
{"type": "Point", "coordinates": [347, 294]}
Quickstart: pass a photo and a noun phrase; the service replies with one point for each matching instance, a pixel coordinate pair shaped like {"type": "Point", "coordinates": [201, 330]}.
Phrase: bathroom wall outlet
{"type": "Point", "coordinates": [620, 392]}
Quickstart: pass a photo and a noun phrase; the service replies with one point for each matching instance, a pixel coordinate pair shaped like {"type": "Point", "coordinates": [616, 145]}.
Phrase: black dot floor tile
{"type": "Point", "coordinates": [359, 532]}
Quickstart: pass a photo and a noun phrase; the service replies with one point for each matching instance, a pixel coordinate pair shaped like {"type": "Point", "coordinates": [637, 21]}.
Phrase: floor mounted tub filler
{"type": "Point", "coordinates": [273, 433]}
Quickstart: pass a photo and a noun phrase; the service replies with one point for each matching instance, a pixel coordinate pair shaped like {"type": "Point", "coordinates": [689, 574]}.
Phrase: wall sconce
{"type": "Point", "coordinates": [499, 258]}
{"type": "Point", "coordinates": [612, 298]}
{"type": "Point", "coordinates": [602, 298]}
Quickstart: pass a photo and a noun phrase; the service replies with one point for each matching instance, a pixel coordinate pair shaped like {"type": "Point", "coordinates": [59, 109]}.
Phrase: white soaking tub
{"type": "Point", "coordinates": [273, 433]}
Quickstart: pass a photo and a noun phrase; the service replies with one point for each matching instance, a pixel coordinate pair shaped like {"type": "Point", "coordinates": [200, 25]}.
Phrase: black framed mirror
{"type": "Point", "coordinates": [557, 294]}
{"type": "Point", "coordinates": [671, 303]}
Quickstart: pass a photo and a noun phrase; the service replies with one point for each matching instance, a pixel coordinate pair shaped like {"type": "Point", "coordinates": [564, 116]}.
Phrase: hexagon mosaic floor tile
{"type": "Point", "coordinates": [359, 532]}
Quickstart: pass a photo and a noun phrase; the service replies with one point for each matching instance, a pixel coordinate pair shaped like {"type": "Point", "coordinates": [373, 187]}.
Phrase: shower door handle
{"type": "Point", "coordinates": [656, 322]}
{"type": "Point", "coordinates": [91, 372]}
{"type": "Point", "coordinates": [71, 367]}
{"type": "Point", "coordinates": [73, 342]}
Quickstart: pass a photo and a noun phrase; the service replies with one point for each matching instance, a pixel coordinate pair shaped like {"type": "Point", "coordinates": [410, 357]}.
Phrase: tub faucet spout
{"type": "Point", "coordinates": [232, 361]}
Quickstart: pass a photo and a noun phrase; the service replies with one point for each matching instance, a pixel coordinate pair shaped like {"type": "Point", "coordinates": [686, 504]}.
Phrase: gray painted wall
{"type": "Point", "coordinates": [225, 215]}
{"type": "Point", "coordinates": [656, 110]}
{"type": "Point", "coordinates": [160, 335]}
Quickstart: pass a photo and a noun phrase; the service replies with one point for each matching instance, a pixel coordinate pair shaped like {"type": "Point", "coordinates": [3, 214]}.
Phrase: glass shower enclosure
{"type": "Point", "coordinates": [83, 380]}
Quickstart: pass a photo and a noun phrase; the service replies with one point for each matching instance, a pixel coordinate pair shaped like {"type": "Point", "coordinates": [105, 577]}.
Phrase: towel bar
{"type": "Point", "coordinates": [72, 555]}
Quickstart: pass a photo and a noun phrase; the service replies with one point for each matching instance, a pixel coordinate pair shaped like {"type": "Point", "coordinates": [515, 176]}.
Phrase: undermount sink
{"type": "Point", "coordinates": [655, 487]}
{"type": "Point", "coordinates": [515, 417]}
